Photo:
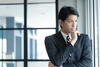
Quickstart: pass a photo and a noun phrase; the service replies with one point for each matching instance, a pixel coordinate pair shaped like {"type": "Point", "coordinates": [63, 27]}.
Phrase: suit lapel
{"type": "Point", "coordinates": [60, 38]}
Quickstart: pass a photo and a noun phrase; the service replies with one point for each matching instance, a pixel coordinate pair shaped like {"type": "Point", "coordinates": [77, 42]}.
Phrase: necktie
{"type": "Point", "coordinates": [68, 38]}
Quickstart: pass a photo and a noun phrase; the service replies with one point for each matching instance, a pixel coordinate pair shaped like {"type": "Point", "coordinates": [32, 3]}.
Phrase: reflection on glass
{"type": "Point", "coordinates": [11, 16]}
{"type": "Point", "coordinates": [11, 64]}
{"type": "Point", "coordinates": [36, 46]}
{"type": "Point", "coordinates": [41, 15]}
{"type": "Point", "coordinates": [11, 44]}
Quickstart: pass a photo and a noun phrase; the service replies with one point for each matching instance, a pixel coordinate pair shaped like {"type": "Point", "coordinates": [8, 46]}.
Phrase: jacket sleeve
{"type": "Point", "coordinates": [57, 57]}
{"type": "Point", "coordinates": [86, 57]}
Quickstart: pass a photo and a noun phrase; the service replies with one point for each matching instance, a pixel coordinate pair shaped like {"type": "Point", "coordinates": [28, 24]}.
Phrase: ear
{"type": "Point", "coordinates": [60, 22]}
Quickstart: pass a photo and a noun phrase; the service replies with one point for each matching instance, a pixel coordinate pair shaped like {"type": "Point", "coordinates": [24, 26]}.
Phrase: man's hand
{"type": "Point", "coordinates": [51, 65]}
{"type": "Point", "coordinates": [74, 36]}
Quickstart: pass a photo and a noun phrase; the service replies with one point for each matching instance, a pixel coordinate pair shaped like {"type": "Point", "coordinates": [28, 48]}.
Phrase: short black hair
{"type": "Point", "coordinates": [66, 11]}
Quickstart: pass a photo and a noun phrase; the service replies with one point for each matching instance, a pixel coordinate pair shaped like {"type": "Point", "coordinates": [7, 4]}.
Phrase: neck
{"type": "Point", "coordinates": [65, 32]}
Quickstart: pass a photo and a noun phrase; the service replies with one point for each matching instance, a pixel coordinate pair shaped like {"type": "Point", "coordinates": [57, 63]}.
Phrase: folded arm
{"type": "Point", "coordinates": [58, 58]}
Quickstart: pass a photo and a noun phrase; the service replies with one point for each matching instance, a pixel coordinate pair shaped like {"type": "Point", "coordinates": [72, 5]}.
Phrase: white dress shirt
{"type": "Point", "coordinates": [65, 35]}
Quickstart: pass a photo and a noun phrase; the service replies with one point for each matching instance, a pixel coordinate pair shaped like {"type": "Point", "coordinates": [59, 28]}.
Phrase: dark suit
{"type": "Point", "coordinates": [62, 53]}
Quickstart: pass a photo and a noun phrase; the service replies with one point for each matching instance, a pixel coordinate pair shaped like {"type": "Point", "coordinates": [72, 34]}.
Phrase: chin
{"type": "Point", "coordinates": [73, 30]}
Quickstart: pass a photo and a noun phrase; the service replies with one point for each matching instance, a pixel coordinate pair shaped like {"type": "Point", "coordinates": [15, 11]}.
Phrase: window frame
{"type": "Point", "coordinates": [25, 29]}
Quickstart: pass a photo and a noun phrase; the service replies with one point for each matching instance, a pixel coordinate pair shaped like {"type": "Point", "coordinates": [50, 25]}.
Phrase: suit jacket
{"type": "Point", "coordinates": [62, 53]}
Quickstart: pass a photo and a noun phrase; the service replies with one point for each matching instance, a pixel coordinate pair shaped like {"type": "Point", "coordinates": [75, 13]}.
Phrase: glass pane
{"type": "Point", "coordinates": [11, 64]}
{"type": "Point", "coordinates": [41, 15]}
{"type": "Point", "coordinates": [11, 16]}
{"type": "Point", "coordinates": [32, 1]}
{"type": "Point", "coordinates": [98, 29]}
{"type": "Point", "coordinates": [11, 1]}
{"type": "Point", "coordinates": [36, 46]}
{"type": "Point", "coordinates": [11, 44]}
{"type": "Point", "coordinates": [38, 64]}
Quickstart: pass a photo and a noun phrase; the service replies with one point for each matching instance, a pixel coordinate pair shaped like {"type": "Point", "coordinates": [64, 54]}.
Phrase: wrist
{"type": "Point", "coordinates": [72, 42]}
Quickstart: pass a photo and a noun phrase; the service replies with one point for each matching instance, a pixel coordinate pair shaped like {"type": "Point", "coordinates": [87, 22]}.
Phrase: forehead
{"type": "Point", "coordinates": [74, 17]}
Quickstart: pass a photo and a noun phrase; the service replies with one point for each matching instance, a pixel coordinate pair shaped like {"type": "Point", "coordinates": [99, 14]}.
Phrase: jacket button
{"type": "Point", "coordinates": [70, 54]}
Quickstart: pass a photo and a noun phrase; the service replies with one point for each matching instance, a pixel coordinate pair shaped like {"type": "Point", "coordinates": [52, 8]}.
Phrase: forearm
{"type": "Point", "coordinates": [62, 56]}
{"type": "Point", "coordinates": [81, 63]}
{"type": "Point", "coordinates": [57, 56]}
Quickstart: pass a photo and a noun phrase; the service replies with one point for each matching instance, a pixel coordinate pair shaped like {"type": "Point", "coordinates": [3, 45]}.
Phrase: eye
{"type": "Point", "coordinates": [75, 20]}
{"type": "Point", "coordinates": [69, 21]}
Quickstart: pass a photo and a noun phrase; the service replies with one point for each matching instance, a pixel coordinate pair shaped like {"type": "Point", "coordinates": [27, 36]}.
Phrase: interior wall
{"type": "Point", "coordinates": [80, 6]}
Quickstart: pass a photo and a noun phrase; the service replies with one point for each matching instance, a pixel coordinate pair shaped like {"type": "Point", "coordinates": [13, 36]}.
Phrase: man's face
{"type": "Point", "coordinates": [69, 25]}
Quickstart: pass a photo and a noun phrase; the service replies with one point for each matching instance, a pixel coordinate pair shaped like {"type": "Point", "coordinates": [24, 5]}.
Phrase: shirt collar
{"type": "Point", "coordinates": [65, 35]}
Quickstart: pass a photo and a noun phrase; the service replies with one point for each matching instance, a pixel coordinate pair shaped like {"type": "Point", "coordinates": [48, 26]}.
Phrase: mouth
{"type": "Point", "coordinates": [73, 29]}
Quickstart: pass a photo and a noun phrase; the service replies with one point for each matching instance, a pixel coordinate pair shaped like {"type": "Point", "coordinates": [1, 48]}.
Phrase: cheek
{"type": "Point", "coordinates": [76, 24]}
{"type": "Point", "coordinates": [66, 26]}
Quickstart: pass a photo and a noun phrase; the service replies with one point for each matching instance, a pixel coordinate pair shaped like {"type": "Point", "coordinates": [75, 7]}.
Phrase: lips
{"type": "Point", "coordinates": [73, 29]}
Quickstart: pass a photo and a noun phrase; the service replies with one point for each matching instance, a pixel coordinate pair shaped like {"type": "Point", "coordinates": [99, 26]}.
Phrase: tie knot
{"type": "Point", "coordinates": [68, 38]}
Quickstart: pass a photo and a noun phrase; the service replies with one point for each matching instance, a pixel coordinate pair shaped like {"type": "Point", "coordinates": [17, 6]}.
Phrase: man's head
{"type": "Point", "coordinates": [68, 19]}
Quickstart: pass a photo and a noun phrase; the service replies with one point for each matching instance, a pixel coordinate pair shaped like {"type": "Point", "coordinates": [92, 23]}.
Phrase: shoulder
{"type": "Point", "coordinates": [84, 36]}
{"type": "Point", "coordinates": [50, 37]}
{"type": "Point", "coordinates": [53, 36]}
{"type": "Point", "coordinates": [85, 39]}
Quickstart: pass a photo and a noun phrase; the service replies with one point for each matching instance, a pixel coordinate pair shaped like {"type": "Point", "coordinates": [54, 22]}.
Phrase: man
{"type": "Point", "coordinates": [75, 51]}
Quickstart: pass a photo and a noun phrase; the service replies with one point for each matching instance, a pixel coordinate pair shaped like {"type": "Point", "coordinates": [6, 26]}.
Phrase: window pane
{"type": "Point", "coordinates": [11, 16]}
{"type": "Point", "coordinates": [30, 1]}
{"type": "Point", "coordinates": [36, 46]}
{"type": "Point", "coordinates": [38, 64]}
{"type": "Point", "coordinates": [11, 44]}
{"type": "Point", "coordinates": [11, 1]}
{"type": "Point", "coordinates": [41, 15]}
{"type": "Point", "coordinates": [11, 64]}
{"type": "Point", "coordinates": [99, 29]}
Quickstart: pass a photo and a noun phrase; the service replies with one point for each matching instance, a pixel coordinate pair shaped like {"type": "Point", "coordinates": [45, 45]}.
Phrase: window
{"type": "Point", "coordinates": [93, 28]}
{"type": "Point", "coordinates": [97, 32]}
{"type": "Point", "coordinates": [41, 21]}
{"type": "Point", "coordinates": [23, 41]}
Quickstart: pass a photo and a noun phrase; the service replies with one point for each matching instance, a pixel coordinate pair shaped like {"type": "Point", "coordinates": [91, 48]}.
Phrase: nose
{"type": "Point", "coordinates": [74, 23]}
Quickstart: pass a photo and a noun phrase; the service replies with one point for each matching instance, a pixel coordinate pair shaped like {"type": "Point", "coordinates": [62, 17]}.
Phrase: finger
{"type": "Point", "coordinates": [78, 33]}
